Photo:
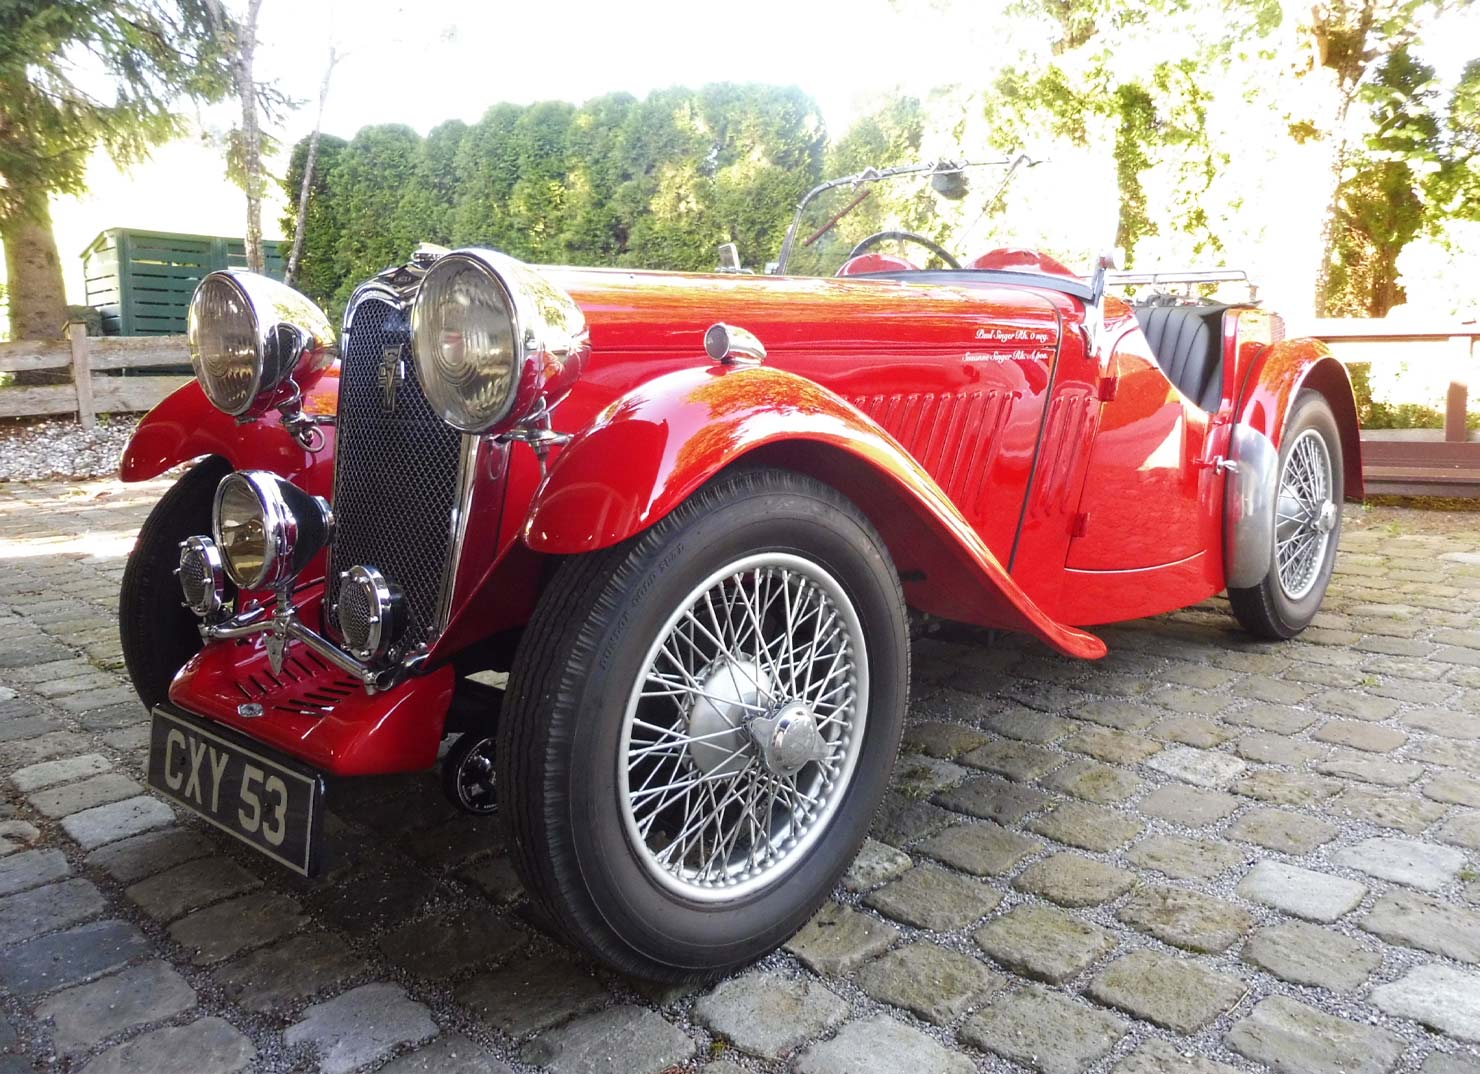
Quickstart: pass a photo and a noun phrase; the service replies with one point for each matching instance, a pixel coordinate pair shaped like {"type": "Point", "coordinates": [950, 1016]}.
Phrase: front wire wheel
{"type": "Point", "coordinates": [743, 732]}
{"type": "Point", "coordinates": [1307, 525]}
{"type": "Point", "coordinates": [700, 724]}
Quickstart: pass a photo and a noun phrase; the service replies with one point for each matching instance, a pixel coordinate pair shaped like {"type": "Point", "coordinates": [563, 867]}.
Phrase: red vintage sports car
{"type": "Point", "coordinates": [690, 517]}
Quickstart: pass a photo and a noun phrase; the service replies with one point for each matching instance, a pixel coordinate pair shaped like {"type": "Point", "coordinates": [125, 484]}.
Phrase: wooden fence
{"type": "Point", "coordinates": [89, 360]}
{"type": "Point", "coordinates": [1414, 462]}
{"type": "Point", "coordinates": [1395, 461]}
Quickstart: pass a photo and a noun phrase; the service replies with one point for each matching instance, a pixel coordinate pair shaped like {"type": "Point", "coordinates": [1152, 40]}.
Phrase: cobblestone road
{"type": "Point", "coordinates": [1202, 853]}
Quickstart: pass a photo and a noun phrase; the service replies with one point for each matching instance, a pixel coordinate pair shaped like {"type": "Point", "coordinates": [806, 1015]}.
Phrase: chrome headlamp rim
{"type": "Point", "coordinates": [292, 338]}
{"type": "Point", "coordinates": [279, 527]}
{"type": "Point", "coordinates": [193, 320]}
{"type": "Point", "coordinates": [427, 371]}
{"type": "Point", "coordinates": [550, 337]}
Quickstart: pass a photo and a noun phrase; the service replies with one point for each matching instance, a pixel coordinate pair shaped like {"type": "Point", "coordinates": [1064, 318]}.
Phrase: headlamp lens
{"type": "Point", "coordinates": [222, 335]}
{"type": "Point", "coordinates": [241, 526]}
{"type": "Point", "coordinates": [467, 358]}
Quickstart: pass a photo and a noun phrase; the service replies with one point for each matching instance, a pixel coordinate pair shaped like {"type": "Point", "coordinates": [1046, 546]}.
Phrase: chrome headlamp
{"type": "Point", "coordinates": [267, 529]}
{"type": "Point", "coordinates": [249, 334]}
{"type": "Point", "coordinates": [200, 573]}
{"type": "Point", "coordinates": [491, 338]}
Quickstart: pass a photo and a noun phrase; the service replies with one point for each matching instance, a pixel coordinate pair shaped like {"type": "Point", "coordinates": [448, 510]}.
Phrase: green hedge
{"type": "Point", "coordinates": [653, 183]}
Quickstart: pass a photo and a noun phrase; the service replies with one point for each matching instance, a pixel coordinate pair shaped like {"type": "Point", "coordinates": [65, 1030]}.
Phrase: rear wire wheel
{"type": "Point", "coordinates": [1307, 525]}
{"type": "Point", "coordinates": [701, 722]}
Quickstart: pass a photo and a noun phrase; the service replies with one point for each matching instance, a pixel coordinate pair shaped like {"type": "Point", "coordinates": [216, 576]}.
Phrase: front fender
{"type": "Point", "coordinates": [650, 450]}
{"type": "Point", "coordinates": [185, 426]}
{"type": "Point", "coordinates": [1279, 375]}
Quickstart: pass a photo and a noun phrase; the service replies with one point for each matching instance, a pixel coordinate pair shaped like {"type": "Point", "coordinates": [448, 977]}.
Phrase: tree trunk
{"type": "Point", "coordinates": [1332, 223]}
{"type": "Point", "coordinates": [246, 91]}
{"type": "Point", "coordinates": [300, 225]}
{"type": "Point", "coordinates": [38, 297]}
{"type": "Point", "coordinates": [241, 38]}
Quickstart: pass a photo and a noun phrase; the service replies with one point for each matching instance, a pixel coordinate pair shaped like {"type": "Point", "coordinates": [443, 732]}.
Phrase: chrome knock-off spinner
{"type": "Point", "coordinates": [790, 740]}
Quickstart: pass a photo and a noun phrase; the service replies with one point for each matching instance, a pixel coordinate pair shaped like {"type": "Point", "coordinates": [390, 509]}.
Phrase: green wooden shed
{"type": "Point", "coordinates": [141, 281]}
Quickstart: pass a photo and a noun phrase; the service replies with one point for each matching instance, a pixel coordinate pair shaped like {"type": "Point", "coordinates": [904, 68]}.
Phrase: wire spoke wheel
{"type": "Point", "coordinates": [1304, 515]}
{"type": "Point", "coordinates": [744, 727]}
{"type": "Point", "coordinates": [701, 722]}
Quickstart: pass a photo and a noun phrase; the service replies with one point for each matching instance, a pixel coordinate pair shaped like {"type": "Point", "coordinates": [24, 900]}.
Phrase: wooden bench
{"type": "Point", "coordinates": [1415, 462]}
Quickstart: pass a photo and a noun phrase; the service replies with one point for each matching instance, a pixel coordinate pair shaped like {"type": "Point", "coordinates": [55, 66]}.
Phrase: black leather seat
{"type": "Point", "coordinates": [1188, 344]}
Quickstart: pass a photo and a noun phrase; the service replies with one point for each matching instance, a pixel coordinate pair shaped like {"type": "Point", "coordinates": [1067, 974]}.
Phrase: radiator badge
{"type": "Point", "coordinates": [389, 376]}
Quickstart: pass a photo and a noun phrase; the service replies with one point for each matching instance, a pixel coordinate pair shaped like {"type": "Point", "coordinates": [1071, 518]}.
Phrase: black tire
{"type": "Point", "coordinates": [158, 632]}
{"type": "Point", "coordinates": [560, 735]}
{"type": "Point", "coordinates": [1269, 610]}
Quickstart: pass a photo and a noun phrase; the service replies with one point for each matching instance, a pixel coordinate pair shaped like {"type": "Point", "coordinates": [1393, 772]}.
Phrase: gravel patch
{"type": "Point", "coordinates": [41, 450]}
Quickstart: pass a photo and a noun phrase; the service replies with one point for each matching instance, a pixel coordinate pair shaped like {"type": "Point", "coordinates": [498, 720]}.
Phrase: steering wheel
{"type": "Point", "coordinates": [905, 236]}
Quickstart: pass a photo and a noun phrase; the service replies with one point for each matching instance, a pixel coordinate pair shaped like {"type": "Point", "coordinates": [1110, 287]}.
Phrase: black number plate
{"type": "Point", "coordinates": [242, 787]}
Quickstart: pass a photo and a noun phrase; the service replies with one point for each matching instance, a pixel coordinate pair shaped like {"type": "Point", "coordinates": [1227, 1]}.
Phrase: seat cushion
{"type": "Point", "coordinates": [1188, 344]}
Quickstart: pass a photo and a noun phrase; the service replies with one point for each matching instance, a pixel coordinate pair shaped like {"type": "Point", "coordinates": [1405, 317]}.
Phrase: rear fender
{"type": "Point", "coordinates": [653, 448]}
{"type": "Point", "coordinates": [1279, 375]}
{"type": "Point", "coordinates": [185, 426]}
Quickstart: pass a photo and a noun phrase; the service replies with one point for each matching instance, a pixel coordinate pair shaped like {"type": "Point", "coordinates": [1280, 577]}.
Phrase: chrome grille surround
{"type": "Point", "coordinates": [399, 472]}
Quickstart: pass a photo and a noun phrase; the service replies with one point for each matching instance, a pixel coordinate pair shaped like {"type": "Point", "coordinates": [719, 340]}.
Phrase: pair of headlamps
{"type": "Point", "coordinates": [492, 340]}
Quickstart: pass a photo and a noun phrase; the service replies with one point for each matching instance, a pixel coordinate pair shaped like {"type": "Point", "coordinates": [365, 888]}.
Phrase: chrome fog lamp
{"type": "Point", "coordinates": [201, 576]}
{"type": "Point", "coordinates": [249, 335]}
{"type": "Point", "coordinates": [492, 339]}
{"type": "Point", "coordinates": [372, 612]}
{"type": "Point", "coordinates": [267, 529]}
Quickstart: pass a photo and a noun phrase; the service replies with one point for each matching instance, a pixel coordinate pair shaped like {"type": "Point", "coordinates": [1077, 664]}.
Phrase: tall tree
{"type": "Point", "coordinates": [248, 142]}
{"type": "Point", "coordinates": [487, 165]}
{"type": "Point", "coordinates": [54, 55]}
{"type": "Point", "coordinates": [1148, 114]}
{"type": "Point", "coordinates": [368, 184]}
{"type": "Point", "coordinates": [316, 218]}
{"type": "Point", "coordinates": [1350, 41]}
{"type": "Point", "coordinates": [595, 232]}
{"type": "Point", "coordinates": [1415, 170]}
{"type": "Point", "coordinates": [308, 176]}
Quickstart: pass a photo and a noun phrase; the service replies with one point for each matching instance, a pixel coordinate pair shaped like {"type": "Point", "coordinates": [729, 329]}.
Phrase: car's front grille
{"type": "Point", "coordinates": [395, 476]}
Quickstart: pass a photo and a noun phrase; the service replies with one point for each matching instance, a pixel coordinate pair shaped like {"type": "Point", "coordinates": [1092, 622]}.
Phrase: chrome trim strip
{"type": "Point", "coordinates": [1248, 512]}
{"type": "Point", "coordinates": [467, 483]}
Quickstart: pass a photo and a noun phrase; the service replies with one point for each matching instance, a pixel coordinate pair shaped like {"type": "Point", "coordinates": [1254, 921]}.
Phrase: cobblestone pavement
{"type": "Point", "coordinates": [1202, 853]}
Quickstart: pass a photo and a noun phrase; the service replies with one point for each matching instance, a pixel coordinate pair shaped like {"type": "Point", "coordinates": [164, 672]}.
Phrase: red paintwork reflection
{"type": "Point", "coordinates": [186, 426]}
{"type": "Point", "coordinates": [674, 433]}
{"type": "Point", "coordinates": [1145, 466]}
{"type": "Point", "coordinates": [323, 717]}
{"type": "Point", "coordinates": [1017, 259]}
{"type": "Point", "coordinates": [1282, 371]}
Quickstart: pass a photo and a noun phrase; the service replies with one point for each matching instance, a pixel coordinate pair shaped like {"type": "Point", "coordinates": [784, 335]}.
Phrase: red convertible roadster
{"type": "Point", "coordinates": [689, 516]}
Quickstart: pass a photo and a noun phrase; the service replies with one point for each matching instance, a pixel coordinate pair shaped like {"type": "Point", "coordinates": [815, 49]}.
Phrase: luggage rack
{"type": "Point", "coordinates": [1186, 279]}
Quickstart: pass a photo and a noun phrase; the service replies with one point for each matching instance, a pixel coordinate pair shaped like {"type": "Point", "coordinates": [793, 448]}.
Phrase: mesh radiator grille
{"type": "Point", "coordinates": [395, 477]}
